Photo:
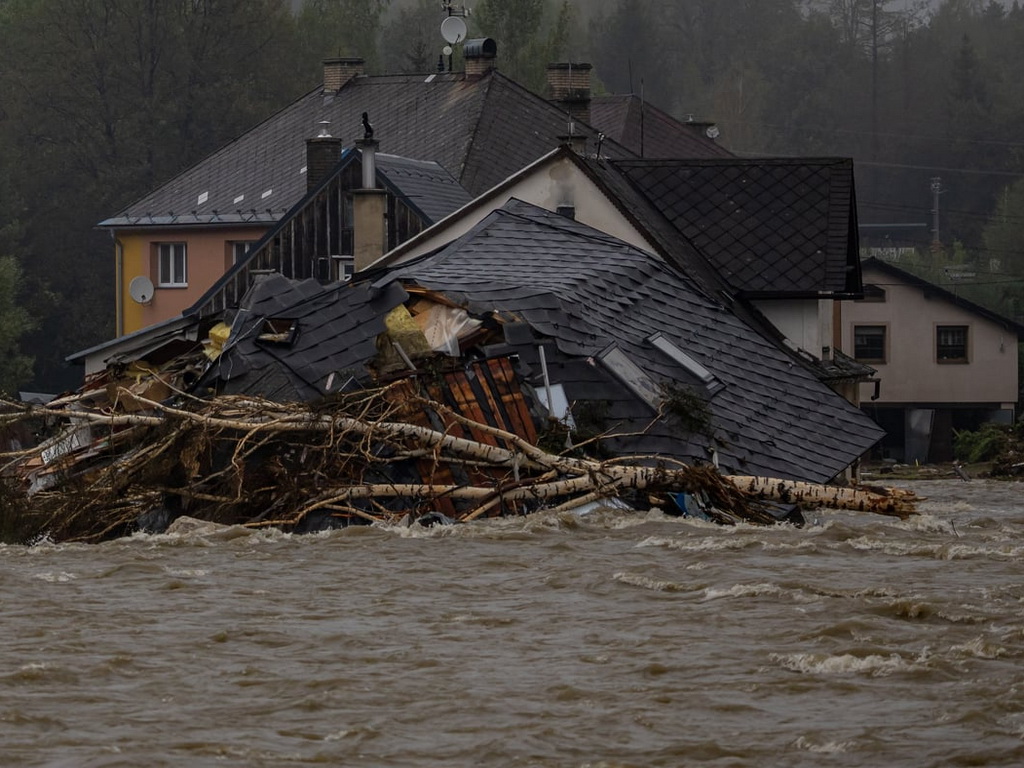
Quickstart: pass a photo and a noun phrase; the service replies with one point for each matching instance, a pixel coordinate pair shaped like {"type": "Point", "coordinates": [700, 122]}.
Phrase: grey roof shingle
{"type": "Point", "coordinates": [425, 185]}
{"type": "Point", "coordinates": [480, 129]}
{"type": "Point", "coordinates": [585, 290]}
{"type": "Point", "coordinates": [766, 226]}
{"type": "Point", "coordinates": [648, 131]}
{"type": "Point", "coordinates": [580, 292]}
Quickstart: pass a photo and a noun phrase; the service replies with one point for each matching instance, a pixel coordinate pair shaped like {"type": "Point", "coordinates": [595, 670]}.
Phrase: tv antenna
{"type": "Point", "coordinates": [141, 289]}
{"type": "Point", "coordinates": [453, 28]}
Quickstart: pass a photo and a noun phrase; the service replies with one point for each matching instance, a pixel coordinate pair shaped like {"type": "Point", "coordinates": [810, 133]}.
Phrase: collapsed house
{"type": "Point", "coordinates": [655, 313]}
{"type": "Point", "coordinates": [601, 332]}
{"type": "Point", "coordinates": [531, 329]}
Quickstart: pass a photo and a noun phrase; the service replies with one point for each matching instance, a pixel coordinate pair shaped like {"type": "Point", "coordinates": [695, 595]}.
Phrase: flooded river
{"type": "Point", "coordinates": [608, 640]}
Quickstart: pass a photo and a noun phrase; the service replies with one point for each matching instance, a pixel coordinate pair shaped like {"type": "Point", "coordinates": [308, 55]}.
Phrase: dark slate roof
{"type": "Point", "coordinates": [769, 227]}
{"type": "Point", "coordinates": [336, 329]}
{"type": "Point", "coordinates": [625, 118]}
{"type": "Point", "coordinates": [480, 129]}
{"type": "Point", "coordinates": [935, 290]}
{"type": "Point", "coordinates": [424, 184]}
{"type": "Point", "coordinates": [581, 290]}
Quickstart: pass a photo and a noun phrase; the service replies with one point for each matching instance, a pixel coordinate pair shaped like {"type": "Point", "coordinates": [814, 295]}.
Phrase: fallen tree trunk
{"type": "Point", "coordinates": [259, 463]}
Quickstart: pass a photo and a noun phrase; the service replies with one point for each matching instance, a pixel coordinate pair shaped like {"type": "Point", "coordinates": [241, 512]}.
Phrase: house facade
{"type": "Point", "coordinates": [942, 363]}
{"type": "Point", "coordinates": [478, 125]}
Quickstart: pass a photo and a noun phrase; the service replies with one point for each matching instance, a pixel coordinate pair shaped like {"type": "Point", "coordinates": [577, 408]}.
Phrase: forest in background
{"type": "Point", "coordinates": [102, 100]}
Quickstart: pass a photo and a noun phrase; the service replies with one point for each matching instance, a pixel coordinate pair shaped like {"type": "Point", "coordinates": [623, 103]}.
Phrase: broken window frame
{"type": "Point", "coordinates": [632, 376]}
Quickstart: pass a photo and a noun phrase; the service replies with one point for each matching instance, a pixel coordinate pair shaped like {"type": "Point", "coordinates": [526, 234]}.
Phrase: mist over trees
{"type": "Point", "coordinates": [101, 100]}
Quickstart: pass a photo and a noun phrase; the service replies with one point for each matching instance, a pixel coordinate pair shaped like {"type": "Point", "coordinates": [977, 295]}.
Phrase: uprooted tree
{"type": "Point", "coordinates": [370, 456]}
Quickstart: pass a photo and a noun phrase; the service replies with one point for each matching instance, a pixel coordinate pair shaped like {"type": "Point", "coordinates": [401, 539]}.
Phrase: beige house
{"type": "Point", "coordinates": [943, 363]}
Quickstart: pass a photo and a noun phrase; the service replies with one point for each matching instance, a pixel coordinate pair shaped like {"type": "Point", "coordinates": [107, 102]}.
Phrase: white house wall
{"type": "Point", "coordinates": [799, 320]}
{"type": "Point", "coordinates": [911, 373]}
{"type": "Point", "coordinates": [554, 183]}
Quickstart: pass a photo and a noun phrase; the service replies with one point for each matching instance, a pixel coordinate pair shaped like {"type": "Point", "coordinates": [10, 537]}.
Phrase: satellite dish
{"type": "Point", "coordinates": [453, 29]}
{"type": "Point", "coordinates": [712, 132]}
{"type": "Point", "coordinates": [141, 289]}
{"type": "Point", "coordinates": [447, 50]}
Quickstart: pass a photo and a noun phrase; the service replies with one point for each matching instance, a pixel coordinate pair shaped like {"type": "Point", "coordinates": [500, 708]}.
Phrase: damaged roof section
{"type": "Point", "coordinates": [604, 330]}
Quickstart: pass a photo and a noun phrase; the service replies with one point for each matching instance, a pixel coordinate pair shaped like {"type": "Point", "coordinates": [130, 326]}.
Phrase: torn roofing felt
{"type": "Point", "coordinates": [581, 291]}
{"type": "Point", "coordinates": [331, 333]}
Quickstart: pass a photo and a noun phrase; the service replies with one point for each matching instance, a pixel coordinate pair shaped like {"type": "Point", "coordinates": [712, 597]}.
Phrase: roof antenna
{"type": "Point", "coordinates": [568, 109]}
{"type": "Point", "coordinates": [600, 141]}
{"type": "Point", "coordinates": [641, 117]}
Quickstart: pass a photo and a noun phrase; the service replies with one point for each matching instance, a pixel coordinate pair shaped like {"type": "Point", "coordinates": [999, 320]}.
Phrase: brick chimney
{"type": "Point", "coordinates": [479, 55]}
{"type": "Point", "coordinates": [369, 209]}
{"type": "Point", "coordinates": [322, 153]}
{"type": "Point", "coordinates": [569, 88]}
{"type": "Point", "coordinates": [337, 72]}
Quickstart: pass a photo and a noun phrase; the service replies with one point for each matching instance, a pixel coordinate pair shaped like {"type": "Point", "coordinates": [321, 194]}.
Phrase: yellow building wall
{"type": "Point", "coordinates": [208, 253]}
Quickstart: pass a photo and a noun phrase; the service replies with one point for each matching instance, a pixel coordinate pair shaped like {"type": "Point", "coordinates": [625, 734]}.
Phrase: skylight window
{"type": "Point", "coordinates": [239, 199]}
{"type": "Point", "coordinates": [203, 198]}
{"type": "Point", "coordinates": [266, 194]}
{"type": "Point", "coordinates": [674, 353]}
{"type": "Point", "coordinates": [631, 375]}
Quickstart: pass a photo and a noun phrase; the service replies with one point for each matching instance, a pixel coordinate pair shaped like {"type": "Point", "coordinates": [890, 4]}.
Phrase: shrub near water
{"type": "Point", "coordinates": [1001, 444]}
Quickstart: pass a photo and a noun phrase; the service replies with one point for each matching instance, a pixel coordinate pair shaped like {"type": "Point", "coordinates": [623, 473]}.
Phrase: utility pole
{"type": "Point", "coordinates": [936, 191]}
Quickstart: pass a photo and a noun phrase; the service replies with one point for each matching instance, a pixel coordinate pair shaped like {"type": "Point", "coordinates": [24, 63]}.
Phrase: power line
{"type": "Point", "coordinates": [869, 133]}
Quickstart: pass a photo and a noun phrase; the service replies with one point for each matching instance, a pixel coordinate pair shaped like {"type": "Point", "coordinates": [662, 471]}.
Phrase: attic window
{"type": "Point", "coordinates": [630, 374]}
{"type": "Point", "coordinates": [279, 330]}
{"type": "Point", "coordinates": [674, 353]}
{"type": "Point", "coordinates": [266, 194]}
{"type": "Point", "coordinates": [239, 199]}
{"type": "Point", "coordinates": [203, 198]}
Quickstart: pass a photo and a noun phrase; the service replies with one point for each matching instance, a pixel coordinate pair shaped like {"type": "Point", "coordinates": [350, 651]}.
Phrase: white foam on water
{"type": "Point", "coordinates": [55, 577]}
{"type": "Point", "coordinates": [707, 544]}
{"type": "Point", "coordinates": [646, 582]}
{"type": "Point", "coordinates": [757, 590]}
{"type": "Point", "coordinates": [873, 665]}
{"type": "Point", "coordinates": [187, 572]}
{"type": "Point", "coordinates": [828, 748]}
{"type": "Point", "coordinates": [978, 648]}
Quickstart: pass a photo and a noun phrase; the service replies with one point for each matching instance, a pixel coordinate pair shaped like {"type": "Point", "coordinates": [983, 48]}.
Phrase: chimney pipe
{"type": "Point", "coordinates": [479, 55]}
{"type": "Point", "coordinates": [322, 153]}
{"type": "Point", "coordinates": [338, 71]}
{"type": "Point", "coordinates": [369, 209]}
{"type": "Point", "coordinates": [569, 88]}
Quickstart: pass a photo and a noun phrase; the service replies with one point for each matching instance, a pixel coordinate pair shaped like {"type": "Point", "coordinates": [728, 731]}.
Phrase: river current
{"type": "Point", "coordinates": [608, 639]}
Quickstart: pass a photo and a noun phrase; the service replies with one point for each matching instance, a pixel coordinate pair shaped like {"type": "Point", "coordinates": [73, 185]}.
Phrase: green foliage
{"type": "Point", "coordinates": [100, 101]}
{"type": "Point", "coordinates": [340, 28]}
{"type": "Point", "coordinates": [410, 39]}
{"type": "Point", "coordinates": [688, 408]}
{"type": "Point", "coordinates": [15, 322]}
{"type": "Point", "coordinates": [982, 445]}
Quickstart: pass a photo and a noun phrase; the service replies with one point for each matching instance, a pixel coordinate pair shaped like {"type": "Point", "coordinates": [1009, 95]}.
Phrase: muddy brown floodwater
{"type": "Point", "coordinates": [604, 640]}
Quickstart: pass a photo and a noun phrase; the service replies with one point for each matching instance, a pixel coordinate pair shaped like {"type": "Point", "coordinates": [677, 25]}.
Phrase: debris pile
{"type": "Point", "coordinates": [120, 462]}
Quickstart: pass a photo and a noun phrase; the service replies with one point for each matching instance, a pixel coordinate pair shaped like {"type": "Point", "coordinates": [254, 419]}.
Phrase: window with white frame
{"type": "Point", "coordinates": [172, 265]}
